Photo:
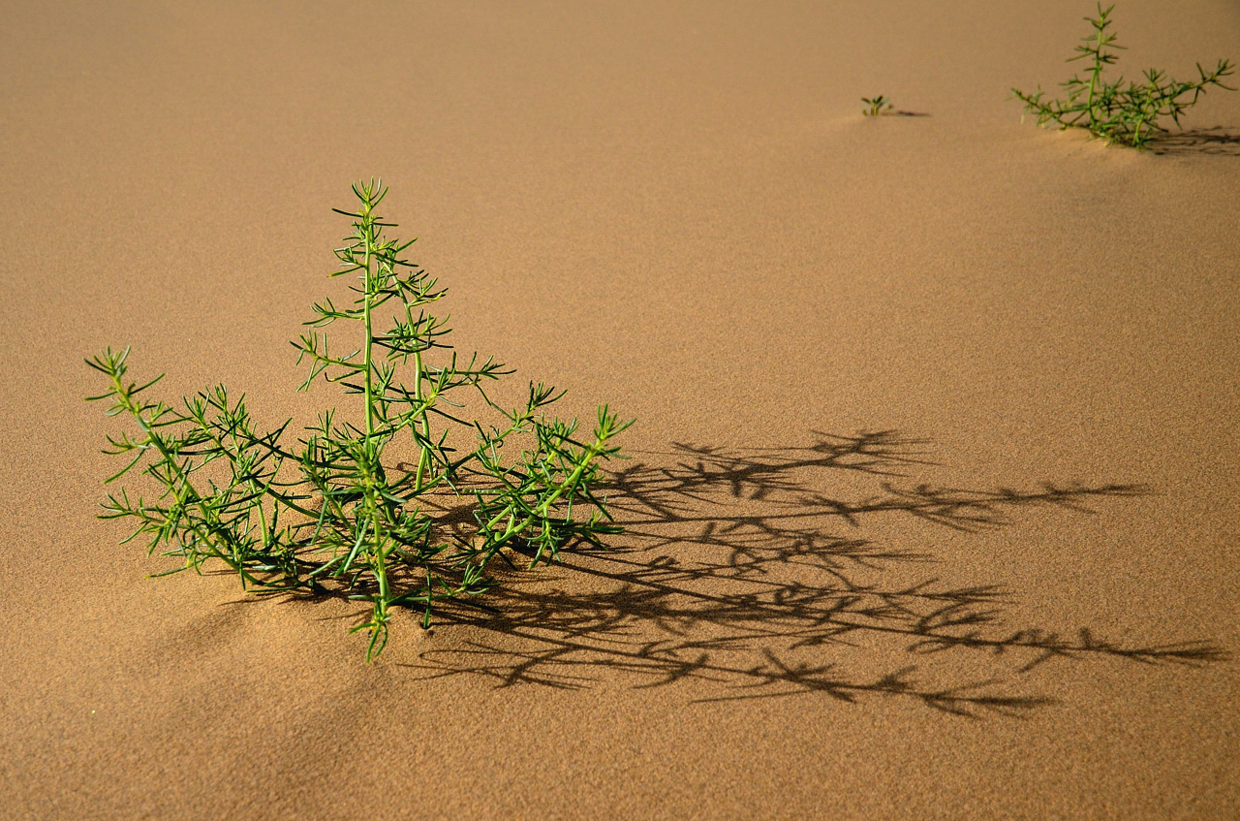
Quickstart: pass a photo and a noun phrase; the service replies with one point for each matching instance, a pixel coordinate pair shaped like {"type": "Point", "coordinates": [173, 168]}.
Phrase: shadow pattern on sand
{"type": "Point", "coordinates": [1218, 141]}
{"type": "Point", "coordinates": [734, 572]}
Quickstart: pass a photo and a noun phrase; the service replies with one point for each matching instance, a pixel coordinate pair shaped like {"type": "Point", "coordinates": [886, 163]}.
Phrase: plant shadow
{"type": "Point", "coordinates": [733, 571]}
{"type": "Point", "coordinates": [1216, 141]}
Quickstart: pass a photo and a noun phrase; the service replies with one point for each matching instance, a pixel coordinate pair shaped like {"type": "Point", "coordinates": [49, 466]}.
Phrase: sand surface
{"type": "Point", "coordinates": [895, 382]}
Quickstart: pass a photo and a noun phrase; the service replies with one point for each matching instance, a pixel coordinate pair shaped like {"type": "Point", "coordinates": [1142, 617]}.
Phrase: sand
{"type": "Point", "coordinates": [935, 452]}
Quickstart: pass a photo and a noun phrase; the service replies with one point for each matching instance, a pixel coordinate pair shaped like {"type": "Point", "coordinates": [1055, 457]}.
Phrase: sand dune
{"type": "Point", "coordinates": [932, 505]}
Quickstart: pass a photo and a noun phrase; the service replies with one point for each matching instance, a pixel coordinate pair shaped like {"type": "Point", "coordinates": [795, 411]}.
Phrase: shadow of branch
{"type": "Point", "coordinates": [731, 575]}
{"type": "Point", "coordinates": [1217, 141]}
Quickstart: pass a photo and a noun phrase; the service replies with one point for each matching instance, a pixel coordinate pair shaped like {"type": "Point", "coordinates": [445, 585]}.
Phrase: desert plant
{"type": "Point", "coordinates": [331, 514]}
{"type": "Point", "coordinates": [1128, 115]}
{"type": "Point", "coordinates": [876, 106]}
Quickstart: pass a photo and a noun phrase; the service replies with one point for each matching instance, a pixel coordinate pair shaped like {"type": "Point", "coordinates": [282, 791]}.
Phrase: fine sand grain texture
{"type": "Point", "coordinates": [933, 508]}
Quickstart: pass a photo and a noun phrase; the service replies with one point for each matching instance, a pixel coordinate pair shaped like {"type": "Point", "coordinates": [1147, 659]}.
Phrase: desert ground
{"type": "Point", "coordinates": [932, 506]}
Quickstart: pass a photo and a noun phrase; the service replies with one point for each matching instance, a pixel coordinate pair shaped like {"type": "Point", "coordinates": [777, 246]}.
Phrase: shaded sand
{"type": "Point", "coordinates": [676, 208]}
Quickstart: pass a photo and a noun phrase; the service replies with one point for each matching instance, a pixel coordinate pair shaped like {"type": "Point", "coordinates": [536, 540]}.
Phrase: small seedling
{"type": "Point", "coordinates": [331, 513]}
{"type": "Point", "coordinates": [1128, 115]}
{"type": "Point", "coordinates": [876, 106]}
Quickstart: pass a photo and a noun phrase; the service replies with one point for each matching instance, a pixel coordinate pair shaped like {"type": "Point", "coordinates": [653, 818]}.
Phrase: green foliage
{"type": "Point", "coordinates": [1127, 115]}
{"type": "Point", "coordinates": [876, 106]}
{"type": "Point", "coordinates": [331, 514]}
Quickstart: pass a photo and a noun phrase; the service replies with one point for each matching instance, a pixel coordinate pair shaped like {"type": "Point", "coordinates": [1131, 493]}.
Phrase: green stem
{"type": "Point", "coordinates": [424, 453]}
{"type": "Point", "coordinates": [368, 232]}
{"type": "Point", "coordinates": [1099, 64]}
{"type": "Point", "coordinates": [380, 563]}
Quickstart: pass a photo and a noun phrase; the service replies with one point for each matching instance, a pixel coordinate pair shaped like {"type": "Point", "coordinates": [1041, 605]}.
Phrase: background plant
{"type": "Point", "coordinates": [1110, 110]}
{"type": "Point", "coordinates": [876, 106]}
{"type": "Point", "coordinates": [330, 513]}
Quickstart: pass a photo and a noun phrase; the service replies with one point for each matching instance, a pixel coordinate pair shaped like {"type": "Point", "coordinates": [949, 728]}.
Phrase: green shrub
{"type": "Point", "coordinates": [1125, 114]}
{"type": "Point", "coordinates": [330, 514]}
